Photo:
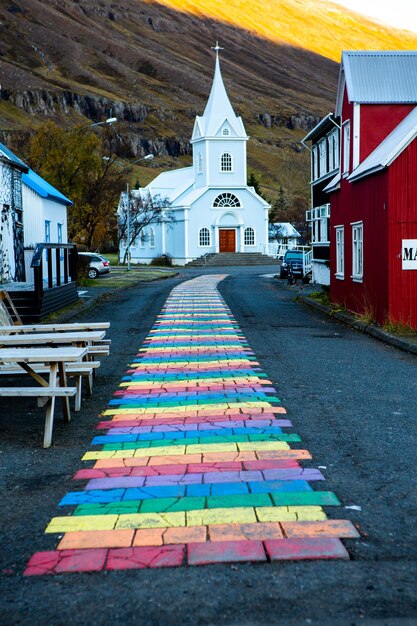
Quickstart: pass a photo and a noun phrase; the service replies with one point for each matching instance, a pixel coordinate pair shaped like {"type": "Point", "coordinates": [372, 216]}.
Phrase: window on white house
{"type": "Point", "coordinates": [346, 147]}
{"type": "Point", "coordinates": [59, 232]}
{"type": "Point", "coordinates": [226, 132]}
{"type": "Point", "coordinates": [199, 164]}
{"type": "Point", "coordinates": [319, 219]}
{"type": "Point", "coordinates": [336, 148]}
{"type": "Point", "coordinates": [249, 237]}
{"type": "Point", "coordinates": [204, 237]}
{"type": "Point", "coordinates": [142, 239]}
{"type": "Point", "coordinates": [47, 231]}
{"type": "Point", "coordinates": [333, 139]}
{"type": "Point", "coordinates": [357, 251]}
{"type": "Point", "coordinates": [322, 157]}
{"type": "Point", "coordinates": [151, 238]}
{"type": "Point", "coordinates": [226, 162]}
{"type": "Point", "coordinates": [226, 200]}
{"type": "Point", "coordinates": [315, 163]}
{"type": "Point", "coordinates": [340, 251]}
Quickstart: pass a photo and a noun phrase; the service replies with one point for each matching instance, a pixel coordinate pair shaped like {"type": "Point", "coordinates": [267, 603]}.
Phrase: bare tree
{"type": "Point", "coordinates": [143, 212]}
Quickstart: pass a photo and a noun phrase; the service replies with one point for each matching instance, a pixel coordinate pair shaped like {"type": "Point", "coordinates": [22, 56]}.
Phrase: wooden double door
{"type": "Point", "coordinates": [227, 240]}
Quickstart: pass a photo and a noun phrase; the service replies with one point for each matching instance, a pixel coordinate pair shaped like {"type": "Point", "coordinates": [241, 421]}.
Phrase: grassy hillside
{"type": "Point", "coordinates": [150, 64]}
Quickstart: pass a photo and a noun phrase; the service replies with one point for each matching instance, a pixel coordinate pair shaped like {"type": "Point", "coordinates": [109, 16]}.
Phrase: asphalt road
{"type": "Point", "coordinates": [352, 400]}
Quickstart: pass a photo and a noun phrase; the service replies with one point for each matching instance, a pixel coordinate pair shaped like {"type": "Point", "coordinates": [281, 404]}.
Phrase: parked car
{"type": "Point", "coordinates": [97, 264]}
{"type": "Point", "coordinates": [295, 259]}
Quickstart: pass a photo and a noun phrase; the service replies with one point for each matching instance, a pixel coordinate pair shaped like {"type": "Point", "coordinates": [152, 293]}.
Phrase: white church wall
{"type": "Point", "coordinates": [237, 176]}
{"type": "Point", "coordinates": [175, 240]}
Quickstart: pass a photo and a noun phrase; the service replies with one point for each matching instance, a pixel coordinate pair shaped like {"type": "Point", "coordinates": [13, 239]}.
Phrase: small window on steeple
{"type": "Point", "coordinates": [226, 132]}
{"type": "Point", "coordinates": [226, 162]}
{"type": "Point", "coordinates": [199, 164]}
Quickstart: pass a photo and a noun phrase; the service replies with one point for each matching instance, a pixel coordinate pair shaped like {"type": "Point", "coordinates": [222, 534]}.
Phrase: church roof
{"type": "Point", "coordinates": [172, 184]}
{"type": "Point", "coordinates": [218, 110]}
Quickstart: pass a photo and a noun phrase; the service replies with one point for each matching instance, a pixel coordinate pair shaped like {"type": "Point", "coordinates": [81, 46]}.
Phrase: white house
{"type": "Point", "coordinates": [284, 234]}
{"type": "Point", "coordinates": [214, 209]}
{"type": "Point", "coordinates": [45, 211]}
{"type": "Point", "coordinates": [12, 266]}
{"type": "Point", "coordinates": [33, 211]}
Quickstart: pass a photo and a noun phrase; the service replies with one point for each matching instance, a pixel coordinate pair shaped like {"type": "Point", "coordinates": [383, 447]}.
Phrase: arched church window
{"type": "Point", "coordinates": [249, 237]}
{"type": "Point", "coordinates": [142, 239]}
{"type": "Point", "coordinates": [151, 238]}
{"type": "Point", "coordinates": [204, 237]}
{"type": "Point", "coordinates": [199, 163]}
{"type": "Point", "coordinates": [226, 162]}
{"type": "Point", "coordinates": [226, 132]}
{"type": "Point", "coordinates": [226, 200]}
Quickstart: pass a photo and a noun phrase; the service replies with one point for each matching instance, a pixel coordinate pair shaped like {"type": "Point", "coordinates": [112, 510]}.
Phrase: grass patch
{"type": "Point", "coordinates": [124, 278]}
{"type": "Point", "coordinates": [52, 317]}
{"type": "Point", "coordinates": [399, 328]}
{"type": "Point", "coordinates": [321, 296]}
{"type": "Point", "coordinates": [113, 257]}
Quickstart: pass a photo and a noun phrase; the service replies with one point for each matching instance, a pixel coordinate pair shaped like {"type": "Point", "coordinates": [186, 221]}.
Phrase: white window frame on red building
{"type": "Point", "coordinates": [357, 251]}
{"type": "Point", "coordinates": [340, 252]}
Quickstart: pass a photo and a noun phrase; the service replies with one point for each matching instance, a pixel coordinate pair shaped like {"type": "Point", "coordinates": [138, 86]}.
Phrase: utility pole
{"type": "Point", "coordinates": [128, 224]}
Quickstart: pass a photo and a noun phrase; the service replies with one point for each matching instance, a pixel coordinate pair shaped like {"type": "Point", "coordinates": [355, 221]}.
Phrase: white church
{"type": "Point", "coordinates": [213, 208]}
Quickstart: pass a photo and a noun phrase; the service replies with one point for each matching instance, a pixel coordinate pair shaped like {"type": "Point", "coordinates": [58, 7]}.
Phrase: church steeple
{"type": "Point", "coordinates": [219, 139]}
{"type": "Point", "coordinates": [218, 109]}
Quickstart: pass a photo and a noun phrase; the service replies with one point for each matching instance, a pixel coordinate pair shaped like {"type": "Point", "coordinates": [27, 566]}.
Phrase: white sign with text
{"type": "Point", "coordinates": [409, 254]}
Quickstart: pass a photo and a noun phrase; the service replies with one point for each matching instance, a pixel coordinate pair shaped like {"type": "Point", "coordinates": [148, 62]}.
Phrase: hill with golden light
{"type": "Point", "coordinates": [150, 64]}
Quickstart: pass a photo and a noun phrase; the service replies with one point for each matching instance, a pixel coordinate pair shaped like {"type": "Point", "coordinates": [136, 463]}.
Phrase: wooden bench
{"type": "Point", "coordinates": [55, 361]}
{"type": "Point", "coordinates": [37, 392]}
{"type": "Point", "coordinates": [54, 328]}
{"type": "Point", "coordinates": [85, 369]}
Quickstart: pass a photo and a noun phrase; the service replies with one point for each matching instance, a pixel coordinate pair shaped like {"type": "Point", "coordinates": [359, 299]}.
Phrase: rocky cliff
{"type": "Point", "coordinates": [149, 64]}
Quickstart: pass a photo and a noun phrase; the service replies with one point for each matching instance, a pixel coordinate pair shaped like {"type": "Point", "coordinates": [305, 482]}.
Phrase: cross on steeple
{"type": "Point", "coordinates": [217, 48]}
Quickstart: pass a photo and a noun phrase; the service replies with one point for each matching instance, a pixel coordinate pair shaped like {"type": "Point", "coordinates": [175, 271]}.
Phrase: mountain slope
{"type": "Point", "coordinates": [316, 25]}
{"type": "Point", "coordinates": [150, 64]}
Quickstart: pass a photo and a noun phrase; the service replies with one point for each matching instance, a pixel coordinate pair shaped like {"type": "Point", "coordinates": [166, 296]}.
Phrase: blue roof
{"type": "Point", "coordinates": [33, 180]}
{"type": "Point", "coordinates": [5, 152]}
{"type": "Point", "coordinates": [43, 188]}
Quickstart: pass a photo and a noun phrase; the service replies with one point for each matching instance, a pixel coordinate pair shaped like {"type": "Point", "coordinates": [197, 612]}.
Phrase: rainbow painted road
{"type": "Point", "coordinates": [193, 464]}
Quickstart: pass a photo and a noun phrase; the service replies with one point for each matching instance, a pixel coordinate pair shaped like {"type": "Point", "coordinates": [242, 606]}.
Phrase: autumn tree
{"type": "Point", "coordinates": [72, 161]}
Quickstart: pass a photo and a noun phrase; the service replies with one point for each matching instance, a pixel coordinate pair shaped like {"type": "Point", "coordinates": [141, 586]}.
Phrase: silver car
{"type": "Point", "coordinates": [97, 264]}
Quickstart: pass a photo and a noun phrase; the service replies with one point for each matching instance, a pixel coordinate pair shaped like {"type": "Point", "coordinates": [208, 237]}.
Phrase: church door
{"type": "Point", "coordinates": [227, 240]}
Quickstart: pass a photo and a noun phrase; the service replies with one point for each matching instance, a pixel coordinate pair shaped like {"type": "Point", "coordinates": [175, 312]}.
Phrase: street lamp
{"type": "Point", "coordinates": [148, 157]}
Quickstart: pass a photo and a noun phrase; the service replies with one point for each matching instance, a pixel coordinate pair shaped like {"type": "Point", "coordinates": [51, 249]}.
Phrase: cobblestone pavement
{"type": "Point", "coordinates": [195, 463]}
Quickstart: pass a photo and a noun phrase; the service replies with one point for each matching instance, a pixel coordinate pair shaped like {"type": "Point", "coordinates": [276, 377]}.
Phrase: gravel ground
{"type": "Point", "coordinates": [352, 400]}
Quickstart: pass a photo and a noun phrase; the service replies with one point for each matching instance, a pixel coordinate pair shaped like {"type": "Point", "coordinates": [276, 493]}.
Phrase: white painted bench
{"type": "Point", "coordinates": [85, 369]}
{"type": "Point", "coordinates": [55, 361]}
{"type": "Point", "coordinates": [54, 328]}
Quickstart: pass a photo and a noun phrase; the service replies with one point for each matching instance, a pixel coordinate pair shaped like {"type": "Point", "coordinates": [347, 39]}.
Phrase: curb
{"type": "Point", "coordinates": [369, 329]}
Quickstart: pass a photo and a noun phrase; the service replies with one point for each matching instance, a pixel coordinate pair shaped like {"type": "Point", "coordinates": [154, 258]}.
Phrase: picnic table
{"type": "Point", "coordinates": [54, 359]}
{"type": "Point", "coordinates": [56, 338]}
{"type": "Point", "coordinates": [54, 328]}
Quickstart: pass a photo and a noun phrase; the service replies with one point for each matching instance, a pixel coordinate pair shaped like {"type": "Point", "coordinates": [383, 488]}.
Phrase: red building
{"type": "Point", "coordinates": [373, 198]}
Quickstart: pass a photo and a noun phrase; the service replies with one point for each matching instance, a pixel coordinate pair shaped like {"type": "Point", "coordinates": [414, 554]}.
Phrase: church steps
{"type": "Point", "coordinates": [222, 259]}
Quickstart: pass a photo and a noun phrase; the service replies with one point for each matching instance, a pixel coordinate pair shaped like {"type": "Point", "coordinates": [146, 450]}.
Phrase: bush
{"type": "Point", "coordinates": [82, 269]}
{"type": "Point", "coordinates": [164, 260]}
